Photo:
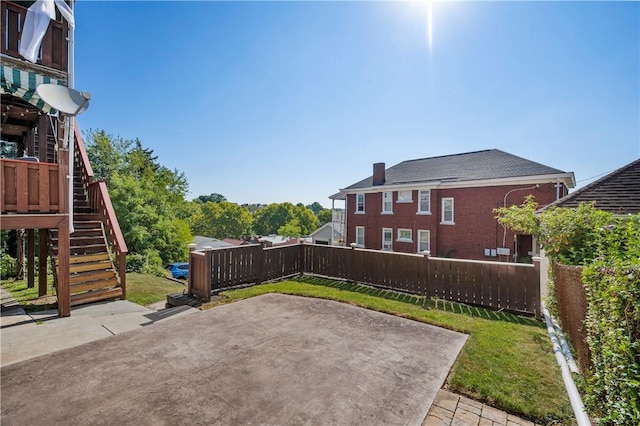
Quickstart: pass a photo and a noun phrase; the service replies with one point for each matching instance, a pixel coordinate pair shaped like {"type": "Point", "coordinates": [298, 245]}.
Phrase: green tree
{"type": "Point", "coordinates": [291, 229]}
{"type": "Point", "coordinates": [148, 198]}
{"type": "Point", "coordinates": [269, 219]}
{"type": "Point", "coordinates": [566, 235]}
{"type": "Point", "coordinates": [315, 207]}
{"type": "Point", "coordinates": [306, 219]}
{"type": "Point", "coordinates": [213, 197]}
{"type": "Point", "coordinates": [222, 220]}
{"type": "Point", "coordinates": [325, 216]}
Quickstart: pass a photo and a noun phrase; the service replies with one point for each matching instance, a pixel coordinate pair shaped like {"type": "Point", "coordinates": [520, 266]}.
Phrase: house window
{"type": "Point", "coordinates": [405, 235]}
{"type": "Point", "coordinates": [387, 237]}
{"type": "Point", "coordinates": [447, 210]}
{"type": "Point", "coordinates": [404, 196]}
{"type": "Point", "coordinates": [424, 206]}
{"type": "Point", "coordinates": [359, 203]}
{"type": "Point", "coordinates": [360, 236]}
{"type": "Point", "coordinates": [424, 241]}
{"type": "Point", "coordinates": [387, 202]}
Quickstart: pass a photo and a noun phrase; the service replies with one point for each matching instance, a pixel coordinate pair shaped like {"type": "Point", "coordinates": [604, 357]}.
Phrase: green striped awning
{"type": "Point", "coordinates": [23, 84]}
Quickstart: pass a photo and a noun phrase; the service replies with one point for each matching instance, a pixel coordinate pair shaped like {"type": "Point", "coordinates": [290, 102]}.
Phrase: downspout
{"type": "Point", "coordinates": [70, 133]}
{"type": "Point", "coordinates": [574, 396]}
{"type": "Point", "coordinates": [346, 215]}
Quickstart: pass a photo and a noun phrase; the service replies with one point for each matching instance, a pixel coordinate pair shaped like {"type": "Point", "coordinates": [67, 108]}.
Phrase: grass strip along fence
{"type": "Point", "coordinates": [506, 286]}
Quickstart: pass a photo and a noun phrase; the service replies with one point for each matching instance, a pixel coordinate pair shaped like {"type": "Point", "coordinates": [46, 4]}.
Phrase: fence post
{"type": "Point", "coordinates": [427, 273]}
{"type": "Point", "coordinates": [351, 263]}
{"type": "Point", "coordinates": [192, 247]}
{"type": "Point", "coordinates": [538, 287]}
{"type": "Point", "coordinates": [259, 261]}
{"type": "Point", "coordinates": [208, 251]}
{"type": "Point", "coordinates": [302, 258]}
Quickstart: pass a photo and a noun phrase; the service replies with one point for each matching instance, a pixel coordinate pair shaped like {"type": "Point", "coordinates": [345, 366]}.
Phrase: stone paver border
{"type": "Point", "coordinates": [450, 409]}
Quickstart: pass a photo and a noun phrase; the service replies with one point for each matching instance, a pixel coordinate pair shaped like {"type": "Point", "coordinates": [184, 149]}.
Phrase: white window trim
{"type": "Point", "coordinates": [410, 200]}
{"type": "Point", "coordinates": [405, 240]}
{"type": "Point", "coordinates": [390, 248]}
{"type": "Point", "coordinates": [428, 239]}
{"type": "Point", "coordinates": [357, 243]}
{"type": "Point", "coordinates": [390, 193]}
{"type": "Point", "coordinates": [453, 209]}
{"type": "Point", "coordinates": [364, 199]}
{"type": "Point", "coordinates": [420, 201]}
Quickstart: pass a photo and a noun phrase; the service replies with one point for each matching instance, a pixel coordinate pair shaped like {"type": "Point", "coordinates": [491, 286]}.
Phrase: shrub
{"type": "Point", "coordinates": [148, 263]}
{"type": "Point", "coordinates": [7, 266]}
{"type": "Point", "coordinates": [613, 324]}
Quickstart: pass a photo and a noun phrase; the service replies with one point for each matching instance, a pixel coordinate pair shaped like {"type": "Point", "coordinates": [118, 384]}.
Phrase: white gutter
{"type": "Point", "coordinates": [574, 396]}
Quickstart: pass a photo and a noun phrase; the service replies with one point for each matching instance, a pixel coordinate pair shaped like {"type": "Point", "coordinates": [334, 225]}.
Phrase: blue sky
{"type": "Point", "coordinates": [291, 101]}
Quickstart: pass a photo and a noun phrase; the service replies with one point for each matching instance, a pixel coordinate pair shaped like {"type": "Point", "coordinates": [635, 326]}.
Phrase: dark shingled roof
{"type": "Point", "coordinates": [479, 165]}
{"type": "Point", "coordinates": [618, 192]}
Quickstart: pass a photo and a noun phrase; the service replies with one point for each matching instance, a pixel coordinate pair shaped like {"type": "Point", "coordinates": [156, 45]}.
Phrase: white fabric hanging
{"type": "Point", "coordinates": [36, 24]}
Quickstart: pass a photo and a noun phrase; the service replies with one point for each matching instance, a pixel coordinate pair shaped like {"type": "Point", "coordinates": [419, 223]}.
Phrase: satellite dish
{"type": "Point", "coordinates": [64, 99]}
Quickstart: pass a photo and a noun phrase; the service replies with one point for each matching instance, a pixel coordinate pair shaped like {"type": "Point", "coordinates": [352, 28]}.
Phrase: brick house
{"type": "Point", "coordinates": [445, 204]}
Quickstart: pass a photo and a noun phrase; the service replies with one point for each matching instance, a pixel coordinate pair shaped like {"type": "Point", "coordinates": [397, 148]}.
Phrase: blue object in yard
{"type": "Point", "coordinates": [178, 270]}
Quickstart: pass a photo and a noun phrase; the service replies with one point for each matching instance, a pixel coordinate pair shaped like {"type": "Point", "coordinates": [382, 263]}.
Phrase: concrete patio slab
{"type": "Point", "coordinates": [273, 359]}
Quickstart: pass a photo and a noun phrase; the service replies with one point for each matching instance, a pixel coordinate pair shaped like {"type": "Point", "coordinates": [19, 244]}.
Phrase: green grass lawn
{"type": "Point", "coordinates": [507, 361]}
{"type": "Point", "coordinates": [147, 289]}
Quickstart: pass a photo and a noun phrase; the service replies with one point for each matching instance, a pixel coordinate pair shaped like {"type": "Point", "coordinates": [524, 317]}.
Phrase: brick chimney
{"type": "Point", "coordinates": [378, 174]}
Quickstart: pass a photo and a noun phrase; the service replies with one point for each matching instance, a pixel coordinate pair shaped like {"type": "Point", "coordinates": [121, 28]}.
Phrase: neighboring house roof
{"type": "Point", "coordinates": [235, 242]}
{"type": "Point", "coordinates": [274, 239]}
{"type": "Point", "coordinates": [489, 164]}
{"type": "Point", "coordinates": [618, 192]}
{"type": "Point", "coordinates": [325, 231]}
{"type": "Point", "coordinates": [202, 242]}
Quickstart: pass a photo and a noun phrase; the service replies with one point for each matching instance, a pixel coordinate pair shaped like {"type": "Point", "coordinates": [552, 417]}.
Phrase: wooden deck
{"type": "Point", "coordinates": [29, 187]}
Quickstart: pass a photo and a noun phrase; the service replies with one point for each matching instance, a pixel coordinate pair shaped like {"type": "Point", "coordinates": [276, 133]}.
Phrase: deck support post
{"type": "Point", "coordinates": [64, 237]}
{"type": "Point", "coordinates": [63, 290]}
{"type": "Point", "coordinates": [43, 242]}
{"type": "Point", "coordinates": [31, 257]}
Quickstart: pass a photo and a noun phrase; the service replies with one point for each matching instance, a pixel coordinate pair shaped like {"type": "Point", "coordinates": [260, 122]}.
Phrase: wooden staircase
{"type": "Point", "coordinates": [93, 276]}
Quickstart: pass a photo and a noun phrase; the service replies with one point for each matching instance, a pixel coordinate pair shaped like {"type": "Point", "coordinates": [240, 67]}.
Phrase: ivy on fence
{"type": "Point", "coordinates": [609, 251]}
{"type": "Point", "coordinates": [613, 324]}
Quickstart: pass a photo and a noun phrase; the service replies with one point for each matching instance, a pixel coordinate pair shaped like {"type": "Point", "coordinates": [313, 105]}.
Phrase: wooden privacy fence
{"type": "Point", "coordinates": [573, 307]}
{"type": "Point", "coordinates": [509, 286]}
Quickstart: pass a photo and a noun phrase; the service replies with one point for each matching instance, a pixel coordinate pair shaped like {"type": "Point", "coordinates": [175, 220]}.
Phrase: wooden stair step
{"type": "Point", "coordinates": [88, 249]}
{"type": "Point", "coordinates": [87, 232]}
{"type": "Point", "coordinates": [86, 240]}
{"type": "Point", "coordinates": [85, 258]}
{"type": "Point", "coordinates": [92, 266]}
{"type": "Point", "coordinates": [91, 276]}
{"type": "Point", "coordinates": [96, 295]}
{"type": "Point", "coordinates": [83, 249]}
{"type": "Point", "coordinates": [94, 285]}
{"type": "Point", "coordinates": [80, 218]}
{"type": "Point", "coordinates": [87, 223]}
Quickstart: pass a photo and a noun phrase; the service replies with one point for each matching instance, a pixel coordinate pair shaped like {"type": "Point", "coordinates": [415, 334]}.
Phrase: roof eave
{"type": "Point", "coordinates": [567, 178]}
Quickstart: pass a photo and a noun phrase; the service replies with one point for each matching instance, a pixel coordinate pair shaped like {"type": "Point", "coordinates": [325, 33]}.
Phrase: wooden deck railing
{"type": "Point", "coordinates": [54, 47]}
{"type": "Point", "coordinates": [100, 203]}
{"type": "Point", "coordinates": [509, 286]}
{"type": "Point", "coordinates": [29, 187]}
